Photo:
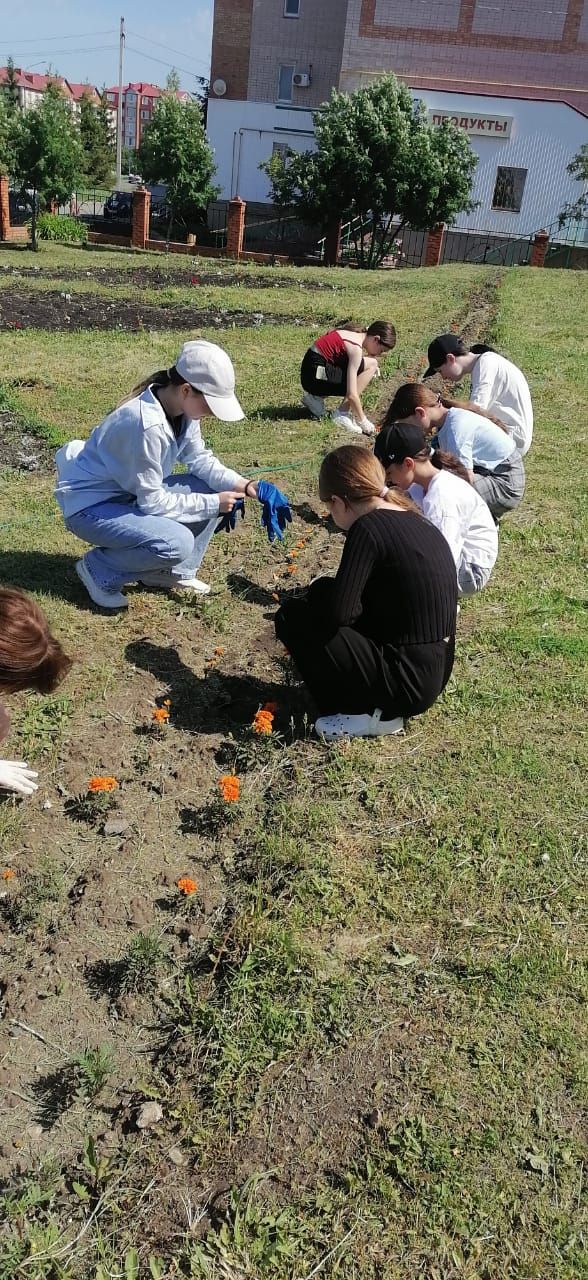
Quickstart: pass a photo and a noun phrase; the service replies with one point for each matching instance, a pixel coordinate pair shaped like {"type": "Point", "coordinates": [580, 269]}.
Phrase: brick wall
{"type": "Point", "coordinates": [511, 42]}
{"type": "Point", "coordinates": [313, 41]}
{"type": "Point", "coordinates": [231, 43]}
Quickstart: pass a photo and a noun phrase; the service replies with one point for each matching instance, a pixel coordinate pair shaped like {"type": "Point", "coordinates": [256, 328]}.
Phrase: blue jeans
{"type": "Point", "coordinates": [130, 545]}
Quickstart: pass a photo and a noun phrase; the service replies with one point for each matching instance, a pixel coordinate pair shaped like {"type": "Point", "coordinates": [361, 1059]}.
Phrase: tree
{"type": "Point", "coordinates": [174, 150]}
{"type": "Point", "coordinates": [95, 135]}
{"type": "Point", "coordinates": [575, 210]}
{"type": "Point", "coordinates": [378, 164]}
{"type": "Point", "coordinates": [10, 89]}
{"type": "Point", "coordinates": [48, 156]}
{"type": "Point", "coordinates": [6, 139]}
{"type": "Point", "coordinates": [172, 82]}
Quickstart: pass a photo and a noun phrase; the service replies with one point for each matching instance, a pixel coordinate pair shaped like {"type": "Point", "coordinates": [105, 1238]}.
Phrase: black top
{"type": "Point", "coordinates": [396, 582]}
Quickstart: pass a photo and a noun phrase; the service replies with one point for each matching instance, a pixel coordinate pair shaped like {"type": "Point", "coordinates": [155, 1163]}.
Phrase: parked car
{"type": "Point", "coordinates": [119, 208]}
{"type": "Point", "coordinates": [135, 179]}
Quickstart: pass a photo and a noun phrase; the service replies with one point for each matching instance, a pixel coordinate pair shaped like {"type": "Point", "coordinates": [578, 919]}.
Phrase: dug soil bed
{"type": "Point", "coordinates": [149, 278]}
{"type": "Point", "coordinates": [28, 309]}
{"type": "Point", "coordinates": [20, 450]}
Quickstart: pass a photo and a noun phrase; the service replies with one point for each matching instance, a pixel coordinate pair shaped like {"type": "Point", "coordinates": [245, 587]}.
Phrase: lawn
{"type": "Point", "coordinates": [358, 1049]}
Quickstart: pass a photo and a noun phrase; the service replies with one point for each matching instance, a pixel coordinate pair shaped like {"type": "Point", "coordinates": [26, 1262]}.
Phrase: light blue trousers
{"type": "Point", "coordinates": [129, 545]}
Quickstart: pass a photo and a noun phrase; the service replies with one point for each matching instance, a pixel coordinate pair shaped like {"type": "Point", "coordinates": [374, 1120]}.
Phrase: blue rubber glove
{"type": "Point", "coordinates": [276, 512]}
{"type": "Point", "coordinates": [229, 520]}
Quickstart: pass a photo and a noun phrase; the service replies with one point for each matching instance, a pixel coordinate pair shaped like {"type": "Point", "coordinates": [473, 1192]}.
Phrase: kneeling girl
{"type": "Point", "coordinates": [376, 643]}
{"type": "Point", "coordinates": [439, 484]}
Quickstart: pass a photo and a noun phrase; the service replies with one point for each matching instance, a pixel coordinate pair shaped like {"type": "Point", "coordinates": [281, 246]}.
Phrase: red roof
{"type": "Point", "coordinates": [37, 83]}
{"type": "Point", "coordinates": [78, 91]}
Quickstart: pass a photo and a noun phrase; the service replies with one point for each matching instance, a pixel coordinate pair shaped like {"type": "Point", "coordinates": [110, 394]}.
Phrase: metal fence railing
{"type": "Point", "coordinates": [485, 247]}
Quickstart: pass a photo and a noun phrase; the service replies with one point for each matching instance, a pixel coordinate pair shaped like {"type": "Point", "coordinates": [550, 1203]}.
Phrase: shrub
{"type": "Point", "coordinates": [57, 226]}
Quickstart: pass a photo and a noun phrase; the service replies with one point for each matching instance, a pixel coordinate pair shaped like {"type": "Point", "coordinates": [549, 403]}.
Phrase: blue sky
{"type": "Point", "coordinates": [80, 41]}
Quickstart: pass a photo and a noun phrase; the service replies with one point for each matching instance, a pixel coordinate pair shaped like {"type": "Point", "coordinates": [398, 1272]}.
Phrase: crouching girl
{"type": "Point", "coordinates": [376, 643]}
{"type": "Point", "coordinates": [30, 658]}
{"type": "Point", "coordinates": [439, 484]}
{"type": "Point", "coordinates": [118, 492]}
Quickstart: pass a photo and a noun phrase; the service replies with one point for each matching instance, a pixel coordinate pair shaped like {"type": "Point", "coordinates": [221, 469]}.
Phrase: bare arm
{"type": "Point", "coordinates": [355, 355]}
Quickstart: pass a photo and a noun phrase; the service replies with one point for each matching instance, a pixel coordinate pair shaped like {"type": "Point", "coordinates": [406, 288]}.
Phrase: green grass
{"type": "Point", "coordinates": [367, 1028]}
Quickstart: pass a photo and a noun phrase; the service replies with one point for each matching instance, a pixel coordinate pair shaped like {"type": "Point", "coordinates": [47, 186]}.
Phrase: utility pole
{"type": "Point", "coordinates": [119, 115]}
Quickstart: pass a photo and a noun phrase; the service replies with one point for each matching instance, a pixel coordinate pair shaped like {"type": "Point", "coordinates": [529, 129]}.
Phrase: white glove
{"type": "Point", "coordinates": [15, 775]}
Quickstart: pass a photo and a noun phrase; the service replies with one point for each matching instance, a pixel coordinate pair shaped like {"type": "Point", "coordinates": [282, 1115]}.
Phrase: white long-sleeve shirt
{"type": "Point", "coordinates": [501, 388]}
{"type": "Point", "coordinates": [462, 517]}
{"type": "Point", "coordinates": [131, 453]}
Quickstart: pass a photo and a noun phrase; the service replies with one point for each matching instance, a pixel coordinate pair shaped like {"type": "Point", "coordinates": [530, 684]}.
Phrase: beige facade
{"type": "Point", "coordinates": [454, 45]}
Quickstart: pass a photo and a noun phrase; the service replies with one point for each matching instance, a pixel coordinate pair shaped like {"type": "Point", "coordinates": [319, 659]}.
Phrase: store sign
{"type": "Point", "coordinates": [489, 126]}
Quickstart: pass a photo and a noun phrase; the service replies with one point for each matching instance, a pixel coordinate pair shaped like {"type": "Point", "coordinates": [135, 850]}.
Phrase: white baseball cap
{"type": "Point", "coordinates": [209, 369]}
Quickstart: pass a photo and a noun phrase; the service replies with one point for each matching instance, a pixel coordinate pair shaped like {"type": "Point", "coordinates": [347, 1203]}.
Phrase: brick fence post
{"type": "Point", "coordinates": [4, 209]}
{"type": "Point", "coordinates": [141, 207]}
{"type": "Point", "coordinates": [333, 244]}
{"type": "Point", "coordinates": [434, 245]}
{"type": "Point", "coordinates": [539, 249]}
{"type": "Point", "coordinates": [235, 227]}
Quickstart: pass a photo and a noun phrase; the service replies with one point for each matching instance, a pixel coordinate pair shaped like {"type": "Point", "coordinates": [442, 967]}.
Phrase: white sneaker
{"type": "Point", "coordinates": [169, 583]}
{"type": "Point", "coordinates": [106, 599]}
{"type": "Point", "coordinates": [366, 426]}
{"type": "Point", "coordinates": [333, 727]}
{"type": "Point", "coordinates": [342, 419]}
{"type": "Point", "coordinates": [314, 404]}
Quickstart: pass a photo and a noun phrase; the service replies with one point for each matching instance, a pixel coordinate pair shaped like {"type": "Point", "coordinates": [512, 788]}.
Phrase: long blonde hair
{"type": "Point", "coordinates": [354, 474]}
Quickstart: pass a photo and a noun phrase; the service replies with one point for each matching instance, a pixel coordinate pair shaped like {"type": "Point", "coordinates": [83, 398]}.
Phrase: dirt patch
{"type": "Point", "coordinates": [19, 449]}
{"type": "Point", "coordinates": [25, 309]}
{"type": "Point", "coordinates": [154, 277]}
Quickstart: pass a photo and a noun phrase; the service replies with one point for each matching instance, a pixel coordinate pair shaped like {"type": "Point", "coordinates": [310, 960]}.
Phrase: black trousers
{"type": "Point", "coordinates": [333, 377]}
{"type": "Point", "coordinates": [349, 673]}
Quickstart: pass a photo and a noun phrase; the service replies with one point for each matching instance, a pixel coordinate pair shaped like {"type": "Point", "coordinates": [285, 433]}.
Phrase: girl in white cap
{"type": "Point", "coordinates": [118, 492]}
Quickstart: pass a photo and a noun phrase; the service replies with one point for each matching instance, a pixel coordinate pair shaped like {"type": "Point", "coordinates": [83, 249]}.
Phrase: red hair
{"type": "Point", "coordinates": [30, 656]}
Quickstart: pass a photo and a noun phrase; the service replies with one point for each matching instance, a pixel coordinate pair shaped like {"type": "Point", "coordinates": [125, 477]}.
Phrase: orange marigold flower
{"type": "Point", "coordinates": [102, 784]}
{"type": "Point", "coordinates": [160, 715]}
{"type": "Point", "coordinates": [8, 874]}
{"type": "Point", "coordinates": [291, 568]}
{"type": "Point", "coordinates": [301, 543]}
{"type": "Point", "coordinates": [230, 787]}
{"type": "Point", "coordinates": [219, 651]}
{"type": "Point", "coordinates": [263, 722]}
{"type": "Point", "coordinates": [187, 885]}
{"type": "Point", "coordinates": [293, 554]}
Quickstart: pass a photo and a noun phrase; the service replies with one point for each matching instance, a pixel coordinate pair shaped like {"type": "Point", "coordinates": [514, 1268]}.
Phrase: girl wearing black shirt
{"type": "Point", "coordinates": [376, 643]}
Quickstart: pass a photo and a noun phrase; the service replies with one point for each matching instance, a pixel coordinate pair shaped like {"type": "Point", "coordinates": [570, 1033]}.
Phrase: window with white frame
{"type": "Point", "coordinates": [285, 75]}
{"type": "Point", "coordinates": [508, 188]}
{"type": "Point", "coordinates": [291, 8]}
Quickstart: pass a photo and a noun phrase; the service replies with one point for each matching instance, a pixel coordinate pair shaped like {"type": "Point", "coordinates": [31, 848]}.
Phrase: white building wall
{"type": "Point", "coordinates": [242, 134]}
{"type": "Point", "coordinates": [544, 138]}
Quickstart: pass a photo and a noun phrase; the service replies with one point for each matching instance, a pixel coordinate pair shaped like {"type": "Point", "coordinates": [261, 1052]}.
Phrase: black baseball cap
{"type": "Point", "coordinates": [441, 347]}
{"type": "Point", "coordinates": [399, 441]}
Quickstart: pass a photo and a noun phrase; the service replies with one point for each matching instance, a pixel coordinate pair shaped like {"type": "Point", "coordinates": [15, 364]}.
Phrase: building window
{"type": "Point", "coordinates": [285, 83]}
{"type": "Point", "coordinates": [145, 115]}
{"type": "Point", "coordinates": [282, 150]}
{"type": "Point", "coordinates": [508, 190]}
{"type": "Point", "coordinates": [291, 8]}
{"type": "Point", "coordinates": [110, 97]}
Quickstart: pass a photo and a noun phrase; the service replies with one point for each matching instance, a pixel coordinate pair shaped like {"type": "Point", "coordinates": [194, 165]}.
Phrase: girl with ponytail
{"type": "Point", "coordinates": [439, 484]}
{"type": "Point", "coordinates": [497, 384]}
{"type": "Point", "coordinates": [343, 362]}
{"type": "Point", "coordinates": [490, 457]}
{"type": "Point", "coordinates": [374, 644]}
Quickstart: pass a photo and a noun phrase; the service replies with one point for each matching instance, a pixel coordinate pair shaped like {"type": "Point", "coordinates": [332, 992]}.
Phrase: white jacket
{"type": "Point", "coordinates": [131, 454]}
{"type": "Point", "coordinates": [501, 388]}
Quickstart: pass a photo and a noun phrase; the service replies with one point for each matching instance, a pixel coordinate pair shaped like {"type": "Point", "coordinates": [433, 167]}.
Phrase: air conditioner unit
{"type": "Point", "coordinates": [301, 79]}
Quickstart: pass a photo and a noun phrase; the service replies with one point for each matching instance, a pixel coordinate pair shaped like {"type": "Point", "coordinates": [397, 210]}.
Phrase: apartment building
{"type": "Point", "coordinates": [512, 73]}
{"type": "Point", "coordinates": [139, 100]}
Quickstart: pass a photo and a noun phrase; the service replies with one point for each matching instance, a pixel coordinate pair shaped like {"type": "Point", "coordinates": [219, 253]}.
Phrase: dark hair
{"type": "Point", "coordinates": [414, 395]}
{"type": "Point", "coordinates": [162, 378]}
{"type": "Point", "coordinates": [381, 329]}
{"type": "Point", "coordinates": [445, 461]}
{"type": "Point", "coordinates": [479, 348]}
{"type": "Point", "coordinates": [354, 474]}
{"type": "Point", "coordinates": [30, 656]}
